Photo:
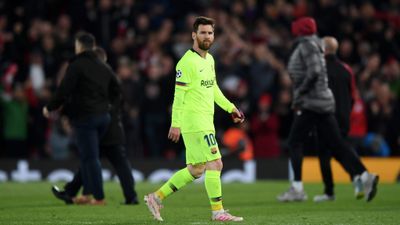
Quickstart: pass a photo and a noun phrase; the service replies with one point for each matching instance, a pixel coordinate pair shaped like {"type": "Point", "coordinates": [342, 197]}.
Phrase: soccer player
{"type": "Point", "coordinates": [196, 90]}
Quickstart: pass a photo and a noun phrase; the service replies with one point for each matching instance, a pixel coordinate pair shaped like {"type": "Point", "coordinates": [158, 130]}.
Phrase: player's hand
{"type": "Point", "coordinates": [174, 134]}
{"type": "Point", "coordinates": [46, 112]}
{"type": "Point", "coordinates": [237, 116]}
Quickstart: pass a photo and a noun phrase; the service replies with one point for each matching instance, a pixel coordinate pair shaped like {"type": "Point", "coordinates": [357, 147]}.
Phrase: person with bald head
{"type": "Point", "coordinates": [314, 107]}
{"type": "Point", "coordinates": [342, 83]}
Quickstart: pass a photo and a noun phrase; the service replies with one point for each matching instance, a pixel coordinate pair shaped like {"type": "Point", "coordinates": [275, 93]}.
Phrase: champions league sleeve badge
{"type": "Point", "coordinates": [178, 74]}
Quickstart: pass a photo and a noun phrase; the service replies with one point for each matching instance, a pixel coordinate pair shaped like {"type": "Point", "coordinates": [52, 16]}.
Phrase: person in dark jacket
{"type": "Point", "coordinates": [111, 146]}
{"type": "Point", "coordinates": [91, 87]}
{"type": "Point", "coordinates": [342, 83]}
{"type": "Point", "coordinates": [314, 106]}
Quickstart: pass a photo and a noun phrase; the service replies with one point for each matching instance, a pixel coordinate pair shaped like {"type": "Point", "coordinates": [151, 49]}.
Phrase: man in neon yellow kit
{"type": "Point", "coordinates": [196, 90]}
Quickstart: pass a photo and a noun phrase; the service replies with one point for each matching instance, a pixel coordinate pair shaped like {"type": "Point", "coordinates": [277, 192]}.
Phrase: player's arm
{"type": "Point", "coordinates": [221, 100]}
{"type": "Point", "coordinates": [177, 109]}
{"type": "Point", "coordinates": [226, 105]}
{"type": "Point", "coordinates": [181, 87]}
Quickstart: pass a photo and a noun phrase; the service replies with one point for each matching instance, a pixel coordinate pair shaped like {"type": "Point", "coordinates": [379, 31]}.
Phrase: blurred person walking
{"type": "Point", "coordinates": [112, 147]}
{"type": "Point", "coordinates": [314, 106]}
{"type": "Point", "coordinates": [342, 83]}
{"type": "Point", "coordinates": [90, 86]}
{"type": "Point", "coordinates": [196, 92]}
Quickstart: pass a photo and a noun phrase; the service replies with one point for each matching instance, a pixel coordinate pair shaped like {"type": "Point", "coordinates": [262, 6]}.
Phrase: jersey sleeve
{"type": "Point", "coordinates": [182, 84]}
{"type": "Point", "coordinates": [183, 76]}
{"type": "Point", "coordinates": [221, 100]}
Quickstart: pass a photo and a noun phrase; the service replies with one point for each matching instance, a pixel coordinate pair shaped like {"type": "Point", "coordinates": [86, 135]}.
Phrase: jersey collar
{"type": "Point", "coordinates": [196, 52]}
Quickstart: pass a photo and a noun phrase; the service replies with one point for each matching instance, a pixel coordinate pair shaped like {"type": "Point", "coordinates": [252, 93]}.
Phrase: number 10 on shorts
{"type": "Point", "coordinates": [210, 139]}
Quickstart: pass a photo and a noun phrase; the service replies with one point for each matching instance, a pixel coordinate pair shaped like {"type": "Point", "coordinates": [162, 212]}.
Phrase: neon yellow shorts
{"type": "Point", "coordinates": [201, 147]}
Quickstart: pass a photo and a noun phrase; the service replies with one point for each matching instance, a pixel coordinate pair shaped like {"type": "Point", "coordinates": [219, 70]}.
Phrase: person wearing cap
{"type": "Point", "coordinates": [314, 106]}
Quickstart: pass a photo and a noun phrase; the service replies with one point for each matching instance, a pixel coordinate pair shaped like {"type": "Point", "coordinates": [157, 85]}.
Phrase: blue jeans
{"type": "Point", "coordinates": [88, 133]}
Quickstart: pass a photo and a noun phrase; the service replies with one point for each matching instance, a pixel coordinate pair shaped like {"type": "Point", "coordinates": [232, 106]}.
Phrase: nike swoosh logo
{"type": "Point", "coordinates": [201, 70]}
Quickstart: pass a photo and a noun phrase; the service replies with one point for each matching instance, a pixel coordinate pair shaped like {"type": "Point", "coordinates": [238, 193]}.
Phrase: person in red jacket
{"type": "Point", "coordinates": [265, 127]}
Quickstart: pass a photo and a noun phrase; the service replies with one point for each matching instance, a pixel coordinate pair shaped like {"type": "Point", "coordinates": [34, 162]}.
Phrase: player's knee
{"type": "Point", "coordinates": [215, 165]}
{"type": "Point", "coordinates": [219, 165]}
{"type": "Point", "coordinates": [196, 171]}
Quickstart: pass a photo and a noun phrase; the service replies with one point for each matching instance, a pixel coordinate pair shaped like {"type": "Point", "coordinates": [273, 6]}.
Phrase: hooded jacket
{"type": "Point", "coordinates": [307, 69]}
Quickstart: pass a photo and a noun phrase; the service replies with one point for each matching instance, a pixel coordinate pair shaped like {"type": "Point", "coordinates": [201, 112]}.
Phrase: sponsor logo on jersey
{"type": "Point", "coordinates": [207, 83]}
{"type": "Point", "coordinates": [214, 150]}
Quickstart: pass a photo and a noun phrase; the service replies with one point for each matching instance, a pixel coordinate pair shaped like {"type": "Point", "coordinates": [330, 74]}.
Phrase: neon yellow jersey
{"type": "Point", "coordinates": [196, 90]}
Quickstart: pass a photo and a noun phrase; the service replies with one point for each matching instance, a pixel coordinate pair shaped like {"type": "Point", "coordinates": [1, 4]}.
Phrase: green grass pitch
{"type": "Point", "coordinates": [33, 203]}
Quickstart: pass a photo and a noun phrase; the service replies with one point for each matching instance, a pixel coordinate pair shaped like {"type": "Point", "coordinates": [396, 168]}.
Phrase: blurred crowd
{"type": "Point", "coordinates": [144, 40]}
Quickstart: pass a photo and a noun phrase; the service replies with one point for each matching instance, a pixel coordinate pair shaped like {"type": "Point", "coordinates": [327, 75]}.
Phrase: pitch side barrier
{"type": "Point", "coordinates": [160, 170]}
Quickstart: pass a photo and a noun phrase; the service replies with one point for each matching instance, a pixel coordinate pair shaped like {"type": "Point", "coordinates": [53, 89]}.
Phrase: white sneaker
{"type": "Point", "coordinates": [358, 187]}
{"type": "Point", "coordinates": [225, 216]}
{"type": "Point", "coordinates": [370, 186]}
{"type": "Point", "coordinates": [154, 205]}
{"type": "Point", "coordinates": [324, 198]}
{"type": "Point", "coordinates": [292, 195]}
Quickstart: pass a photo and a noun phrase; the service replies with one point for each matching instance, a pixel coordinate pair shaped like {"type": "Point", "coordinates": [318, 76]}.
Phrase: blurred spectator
{"type": "Point", "coordinates": [358, 124]}
{"type": "Point", "coordinates": [132, 90]}
{"type": "Point", "coordinates": [237, 143]}
{"type": "Point", "coordinates": [103, 23]}
{"type": "Point", "coordinates": [15, 119]}
{"type": "Point", "coordinates": [265, 127]}
{"type": "Point", "coordinates": [380, 114]}
{"type": "Point", "coordinates": [60, 139]}
{"type": "Point", "coordinates": [263, 76]}
{"type": "Point", "coordinates": [154, 111]}
{"type": "Point", "coordinates": [37, 124]}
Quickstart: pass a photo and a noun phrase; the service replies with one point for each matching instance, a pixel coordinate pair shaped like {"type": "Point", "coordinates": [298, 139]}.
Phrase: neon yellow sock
{"type": "Point", "coordinates": [213, 187]}
{"type": "Point", "coordinates": [176, 182]}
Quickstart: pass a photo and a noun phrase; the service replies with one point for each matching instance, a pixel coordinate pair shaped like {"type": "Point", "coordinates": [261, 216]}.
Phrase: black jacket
{"type": "Point", "coordinates": [307, 70]}
{"type": "Point", "coordinates": [115, 134]}
{"type": "Point", "coordinates": [88, 87]}
{"type": "Point", "coordinates": [340, 80]}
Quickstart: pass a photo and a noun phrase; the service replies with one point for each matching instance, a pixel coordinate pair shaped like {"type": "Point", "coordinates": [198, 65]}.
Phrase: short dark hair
{"type": "Point", "coordinates": [202, 20]}
{"type": "Point", "coordinates": [100, 53]}
{"type": "Point", "coordinates": [87, 40]}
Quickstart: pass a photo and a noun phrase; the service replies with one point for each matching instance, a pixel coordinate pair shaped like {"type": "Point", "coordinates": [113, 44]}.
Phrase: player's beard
{"type": "Point", "coordinates": [204, 45]}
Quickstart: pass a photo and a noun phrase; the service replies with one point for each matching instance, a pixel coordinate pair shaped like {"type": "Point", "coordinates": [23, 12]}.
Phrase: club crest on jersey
{"type": "Point", "coordinates": [178, 74]}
